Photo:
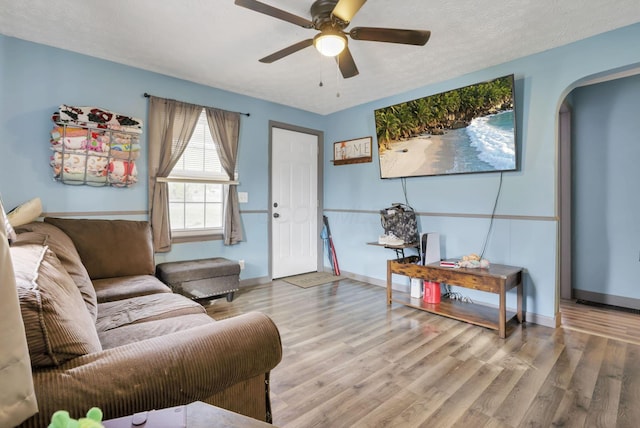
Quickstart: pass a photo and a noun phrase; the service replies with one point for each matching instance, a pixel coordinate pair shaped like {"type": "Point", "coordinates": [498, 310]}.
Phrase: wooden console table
{"type": "Point", "coordinates": [496, 279]}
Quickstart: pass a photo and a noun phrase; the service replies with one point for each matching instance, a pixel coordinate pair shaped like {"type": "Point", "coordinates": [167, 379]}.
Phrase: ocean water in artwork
{"type": "Point", "coordinates": [486, 144]}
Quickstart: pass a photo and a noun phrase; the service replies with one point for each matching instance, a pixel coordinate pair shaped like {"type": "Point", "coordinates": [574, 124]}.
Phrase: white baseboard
{"type": "Point", "coordinates": [553, 322]}
{"type": "Point", "coordinates": [607, 299]}
{"type": "Point", "coordinates": [251, 282]}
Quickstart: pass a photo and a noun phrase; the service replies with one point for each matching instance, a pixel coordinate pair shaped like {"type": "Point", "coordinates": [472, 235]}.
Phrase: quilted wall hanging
{"type": "Point", "coordinates": [94, 146]}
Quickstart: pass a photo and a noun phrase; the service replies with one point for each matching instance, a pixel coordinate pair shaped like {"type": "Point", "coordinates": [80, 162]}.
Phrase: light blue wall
{"type": "Point", "coordinates": [606, 203]}
{"type": "Point", "coordinates": [35, 79]}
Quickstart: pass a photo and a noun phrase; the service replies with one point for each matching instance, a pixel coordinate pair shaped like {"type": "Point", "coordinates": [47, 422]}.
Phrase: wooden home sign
{"type": "Point", "coordinates": [352, 151]}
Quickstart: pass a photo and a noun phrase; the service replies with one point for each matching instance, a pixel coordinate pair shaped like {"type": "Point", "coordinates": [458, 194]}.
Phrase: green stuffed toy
{"type": "Point", "coordinates": [61, 419]}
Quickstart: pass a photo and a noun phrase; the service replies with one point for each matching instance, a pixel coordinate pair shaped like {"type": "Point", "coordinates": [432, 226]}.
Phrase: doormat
{"type": "Point", "coordinates": [312, 279]}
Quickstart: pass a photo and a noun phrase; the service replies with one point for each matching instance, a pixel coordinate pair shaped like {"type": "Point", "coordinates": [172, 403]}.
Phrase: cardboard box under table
{"type": "Point", "coordinates": [201, 279]}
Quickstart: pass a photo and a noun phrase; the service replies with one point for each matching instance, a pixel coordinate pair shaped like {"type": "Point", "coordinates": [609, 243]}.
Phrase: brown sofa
{"type": "Point", "coordinates": [103, 331]}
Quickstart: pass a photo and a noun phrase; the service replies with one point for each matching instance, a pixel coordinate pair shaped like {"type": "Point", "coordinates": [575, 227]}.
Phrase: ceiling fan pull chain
{"type": "Point", "coordinates": [338, 77]}
{"type": "Point", "coordinates": [321, 72]}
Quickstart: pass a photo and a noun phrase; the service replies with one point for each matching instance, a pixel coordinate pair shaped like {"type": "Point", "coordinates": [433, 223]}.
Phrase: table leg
{"type": "Point", "coordinates": [503, 312]}
{"type": "Point", "coordinates": [520, 294]}
{"type": "Point", "coordinates": [399, 253]}
{"type": "Point", "coordinates": [388, 282]}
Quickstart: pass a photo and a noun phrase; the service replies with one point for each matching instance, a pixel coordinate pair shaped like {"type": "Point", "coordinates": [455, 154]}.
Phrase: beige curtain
{"type": "Point", "coordinates": [171, 124]}
{"type": "Point", "coordinates": [225, 129]}
{"type": "Point", "coordinates": [17, 398]}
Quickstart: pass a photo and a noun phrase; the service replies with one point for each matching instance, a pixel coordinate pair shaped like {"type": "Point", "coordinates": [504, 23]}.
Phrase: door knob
{"type": "Point", "coordinates": [276, 215]}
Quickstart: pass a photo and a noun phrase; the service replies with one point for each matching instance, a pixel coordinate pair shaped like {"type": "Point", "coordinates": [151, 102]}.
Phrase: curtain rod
{"type": "Point", "coordinates": [146, 95]}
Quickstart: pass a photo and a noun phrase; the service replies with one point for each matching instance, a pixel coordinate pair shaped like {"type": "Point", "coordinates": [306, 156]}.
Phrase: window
{"type": "Point", "coordinates": [197, 186]}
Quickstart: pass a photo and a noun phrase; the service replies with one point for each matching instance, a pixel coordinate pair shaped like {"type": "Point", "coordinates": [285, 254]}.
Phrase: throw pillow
{"type": "Point", "coordinates": [57, 323]}
{"type": "Point", "coordinates": [63, 248]}
{"type": "Point", "coordinates": [25, 213]}
{"type": "Point", "coordinates": [4, 222]}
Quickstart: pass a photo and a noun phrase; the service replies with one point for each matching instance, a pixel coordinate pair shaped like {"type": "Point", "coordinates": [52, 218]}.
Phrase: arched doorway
{"type": "Point", "coordinates": [591, 210]}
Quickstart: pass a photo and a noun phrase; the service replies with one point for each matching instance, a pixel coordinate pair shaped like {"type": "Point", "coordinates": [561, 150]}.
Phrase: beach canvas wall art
{"type": "Point", "coordinates": [466, 130]}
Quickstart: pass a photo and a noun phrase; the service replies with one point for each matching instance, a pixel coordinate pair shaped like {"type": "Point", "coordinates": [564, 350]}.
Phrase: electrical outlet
{"type": "Point", "coordinates": [241, 263]}
{"type": "Point", "coordinates": [243, 197]}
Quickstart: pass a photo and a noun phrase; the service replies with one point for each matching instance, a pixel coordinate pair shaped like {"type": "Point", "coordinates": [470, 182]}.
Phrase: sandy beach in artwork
{"type": "Point", "coordinates": [422, 155]}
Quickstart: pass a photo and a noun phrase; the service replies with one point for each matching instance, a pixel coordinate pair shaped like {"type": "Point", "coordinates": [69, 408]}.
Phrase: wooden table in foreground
{"type": "Point", "coordinates": [497, 279]}
{"type": "Point", "coordinates": [194, 415]}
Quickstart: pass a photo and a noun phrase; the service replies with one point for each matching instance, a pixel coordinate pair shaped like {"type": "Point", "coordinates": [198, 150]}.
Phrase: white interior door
{"type": "Point", "coordinates": [294, 202]}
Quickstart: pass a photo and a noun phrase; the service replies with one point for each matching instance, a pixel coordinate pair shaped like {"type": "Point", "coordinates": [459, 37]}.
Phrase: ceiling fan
{"type": "Point", "coordinates": [330, 18]}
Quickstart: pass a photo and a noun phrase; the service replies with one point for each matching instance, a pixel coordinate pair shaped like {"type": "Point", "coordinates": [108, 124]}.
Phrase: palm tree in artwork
{"type": "Point", "coordinates": [408, 123]}
{"type": "Point", "coordinates": [387, 129]}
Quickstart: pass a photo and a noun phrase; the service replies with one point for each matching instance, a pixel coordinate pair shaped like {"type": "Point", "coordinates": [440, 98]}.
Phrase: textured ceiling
{"type": "Point", "coordinates": [217, 43]}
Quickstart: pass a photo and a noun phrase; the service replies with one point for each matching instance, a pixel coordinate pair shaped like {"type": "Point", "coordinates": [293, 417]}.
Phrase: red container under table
{"type": "Point", "coordinates": [431, 292]}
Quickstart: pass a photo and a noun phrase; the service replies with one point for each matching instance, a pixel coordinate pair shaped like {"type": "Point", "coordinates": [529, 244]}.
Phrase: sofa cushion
{"type": "Point", "coordinates": [65, 250]}
{"type": "Point", "coordinates": [30, 238]}
{"type": "Point", "coordinates": [57, 323]}
{"type": "Point", "coordinates": [110, 248]}
{"type": "Point", "coordinates": [133, 333]}
{"type": "Point", "coordinates": [144, 308]}
{"type": "Point", "coordinates": [126, 287]}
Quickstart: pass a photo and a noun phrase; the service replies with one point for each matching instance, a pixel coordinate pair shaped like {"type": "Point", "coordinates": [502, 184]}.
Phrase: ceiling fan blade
{"type": "Point", "coordinates": [346, 64]}
{"type": "Point", "coordinates": [287, 51]}
{"type": "Point", "coordinates": [274, 12]}
{"type": "Point", "coordinates": [391, 35]}
{"type": "Point", "coordinates": [346, 9]}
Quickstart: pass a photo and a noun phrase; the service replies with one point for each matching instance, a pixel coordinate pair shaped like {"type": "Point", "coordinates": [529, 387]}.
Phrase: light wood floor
{"type": "Point", "coordinates": [352, 361]}
{"type": "Point", "coordinates": [601, 321]}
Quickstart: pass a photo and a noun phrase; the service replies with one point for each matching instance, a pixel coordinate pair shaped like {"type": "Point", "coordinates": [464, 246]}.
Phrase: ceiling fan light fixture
{"type": "Point", "coordinates": [330, 43]}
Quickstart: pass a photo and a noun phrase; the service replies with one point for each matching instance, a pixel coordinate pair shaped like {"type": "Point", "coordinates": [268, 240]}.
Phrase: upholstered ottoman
{"type": "Point", "coordinates": [201, 279]}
